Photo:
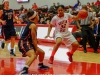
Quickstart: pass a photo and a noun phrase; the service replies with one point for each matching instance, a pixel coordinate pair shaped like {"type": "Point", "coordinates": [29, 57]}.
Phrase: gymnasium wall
{"type": "Point", "coordinates": [15, 5]}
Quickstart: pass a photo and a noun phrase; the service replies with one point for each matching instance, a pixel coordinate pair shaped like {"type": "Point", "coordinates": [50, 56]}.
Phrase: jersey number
{"type": "Point", "coordinates": [63, 28]}
{"type": "Point", "coordinates": [9, 17]}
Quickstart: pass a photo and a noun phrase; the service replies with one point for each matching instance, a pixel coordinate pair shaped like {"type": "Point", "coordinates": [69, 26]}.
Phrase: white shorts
{"type": "Point", "coordinates": [67, 38]}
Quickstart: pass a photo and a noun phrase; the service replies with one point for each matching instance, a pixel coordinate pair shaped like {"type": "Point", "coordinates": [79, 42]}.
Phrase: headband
{"type": "Point", "coordinates": [4, 1]}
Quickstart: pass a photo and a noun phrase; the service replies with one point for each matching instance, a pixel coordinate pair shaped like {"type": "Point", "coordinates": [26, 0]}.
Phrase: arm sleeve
{"type": "Point", "coordinates": [69, 15]}
{"type": "Point", "coordinates": [53, 21]}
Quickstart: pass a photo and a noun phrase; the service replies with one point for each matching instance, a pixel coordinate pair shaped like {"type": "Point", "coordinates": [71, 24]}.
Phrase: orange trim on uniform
{"type": "Point", "coordinates": [28, 45]}
{"type": "Point", "coordinates": [3, 35]}
{"type": "Point", "coordinates": [22, 47]}
{"type": "Point", "coordinates": [27, 36]}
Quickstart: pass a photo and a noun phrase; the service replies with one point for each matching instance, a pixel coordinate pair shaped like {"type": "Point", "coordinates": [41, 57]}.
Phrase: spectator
{"type": "Point", "coordinates": [79, 7]}
{"type": "Point", "coordinates": [22, 16]}
{"type": "Point", "coordinates": [98, 15]}
{"type": "Point", "coordinates": [93, 6]}
{"type": "Point", "coordinates": [97, 2]}
{"type": "Point", "coordinates": [42, 21]}
{"type": "Point", "coordinates": [57, 4]}
{"type": "Point", "coordinates": [88, 5]}
{"type": "Point", "coordinates": [75, 6]}
{"type": "Point", "coordinates": [53, 8]}
{"type": "Point", "coordinates": [21, 8]}
{"type": "Point", "coordinates": [97, 31]}
{"type": "Point", "coordinates": [70, 9]}
{"type": "Point", "coordinates": [34, 6]}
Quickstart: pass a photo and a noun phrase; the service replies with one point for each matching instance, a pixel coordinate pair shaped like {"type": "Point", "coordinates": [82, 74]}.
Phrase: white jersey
{"type": "Point", "coordinates": [61, 23]}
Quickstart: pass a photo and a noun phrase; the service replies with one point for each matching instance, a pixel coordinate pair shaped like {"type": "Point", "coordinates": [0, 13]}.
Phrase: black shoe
{"type": "Point", "coordinates": [12, 53]}
{"type": "Point", "coordinates": [24, 71]}
{"type": "Point", "coordinates": [85, 51]}
{"type": "Point", "coordinates": [42, 67]}
{"type": "Point", "coordinates": [96, 52]}
{"type": "Point", "coordinates": [2, 44]}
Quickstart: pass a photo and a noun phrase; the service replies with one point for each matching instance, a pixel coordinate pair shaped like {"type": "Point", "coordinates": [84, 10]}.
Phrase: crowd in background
{"type": "Point", "coordinates": [46, 13]}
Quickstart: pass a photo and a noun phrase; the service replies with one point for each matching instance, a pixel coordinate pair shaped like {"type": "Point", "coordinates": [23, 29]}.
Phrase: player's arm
{"type": "Point", "coordinates": [49, 30]}
{"type": "Point", "coordinates": [78, 24]}
{"type": "Point", "coordinates": [75, 17]}
{"type": "Point", "coordinates": [34, 35]}
{"type": "Point", "coordinates": [2, 21]}
{"type": "Point", "coordinates": [53, 22]}
{"type": "Point", "coordinates": [1, 13]}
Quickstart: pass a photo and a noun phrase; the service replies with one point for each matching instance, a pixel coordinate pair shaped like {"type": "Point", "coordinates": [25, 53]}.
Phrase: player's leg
{"type": "Point", "coordinates": [6, 36]}
{"type": "Point", "coordinates": [71, 43]}
{"type": "Point", "coordinates": [32, 55]}
{"type": "Point", "coordinates": [75, 45]}
{"type": "Point", "coordinates": [3, 40]}
{"type": "Point", "coordinates": [12, 38]}
{"type": "Point", "coordinates": [2, 44]}
{"type": "Point", "coordinates": [41, 54]}
{"type": "Point", "coordinates": [12, 46]}
{"type": "Point", "coordinates": [26, 51]}
{"type": "Point", "coordinates": [55, 48]}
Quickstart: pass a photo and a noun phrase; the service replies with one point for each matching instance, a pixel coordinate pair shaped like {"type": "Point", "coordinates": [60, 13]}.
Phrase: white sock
{"type": "Point", "coordinates": [2, 40]}
{"type": "Point", "coordinates": [40, 62]}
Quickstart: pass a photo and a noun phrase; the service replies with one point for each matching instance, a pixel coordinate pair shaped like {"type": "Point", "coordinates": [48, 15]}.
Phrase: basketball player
{"type": "Point", "coordinates": [28, 43]}
{"type": "Point", "coordinates": [60, 21]}
{"type": "Point", "coordinates": [8, 31]}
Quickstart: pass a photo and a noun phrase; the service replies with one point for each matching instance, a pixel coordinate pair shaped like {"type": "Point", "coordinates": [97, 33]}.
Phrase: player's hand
{"type": "Point", "coordinates": [95, 35]}
{"type": "Point", "coordinates": [80, 28]}
{"type": "Point", "coordinates": [91, 26]}
{"type": "Point", "coordinates": [18, 22]}
{"type": "Point", "coordinates": [3, 22]}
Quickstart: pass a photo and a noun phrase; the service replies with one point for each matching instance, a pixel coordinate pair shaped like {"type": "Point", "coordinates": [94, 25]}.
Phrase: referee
{"type": "Point", "coordinates": [87, 31]}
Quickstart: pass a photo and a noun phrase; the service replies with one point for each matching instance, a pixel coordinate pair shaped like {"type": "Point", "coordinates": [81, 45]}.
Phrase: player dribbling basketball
{"type": "Point", "coordinates": [60, 21]}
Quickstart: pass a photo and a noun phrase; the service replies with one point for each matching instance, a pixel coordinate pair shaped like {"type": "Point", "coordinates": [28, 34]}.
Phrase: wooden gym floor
{"type": "Point", "coordinates": [84, 63]}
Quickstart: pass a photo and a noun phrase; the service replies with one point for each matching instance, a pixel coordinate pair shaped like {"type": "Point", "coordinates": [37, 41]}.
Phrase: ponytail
{"type": "Point", "coordinates": [1, 6]}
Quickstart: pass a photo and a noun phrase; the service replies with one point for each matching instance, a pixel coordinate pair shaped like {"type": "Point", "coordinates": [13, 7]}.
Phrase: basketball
{"type": "Point", "coordinates": [82, 14]}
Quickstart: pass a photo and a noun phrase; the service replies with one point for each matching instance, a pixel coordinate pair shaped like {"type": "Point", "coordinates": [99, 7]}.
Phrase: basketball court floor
{"type": "Point", "coordinates": [83, 64]}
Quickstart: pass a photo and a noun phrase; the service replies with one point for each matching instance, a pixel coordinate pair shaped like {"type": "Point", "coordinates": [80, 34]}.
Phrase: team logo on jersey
{"type": "Point", "coordinates": [62, 25]}
{"type": "Point", "coordinates": [10, 13]}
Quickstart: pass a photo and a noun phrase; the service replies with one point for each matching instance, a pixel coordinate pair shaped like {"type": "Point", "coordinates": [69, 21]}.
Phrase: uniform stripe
{"type": "Point", "coordinates": [3, 35]}
{"type": "Point", "coordinates": [22, 47]}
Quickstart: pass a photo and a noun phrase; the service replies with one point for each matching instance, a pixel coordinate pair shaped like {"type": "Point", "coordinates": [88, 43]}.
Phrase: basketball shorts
{"type": "Point", "coordinates": [67, 38]}
{"type": "Point", "coordinates": [25, 46]}
{"type": "Point", "coordinates": [8, 32]}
